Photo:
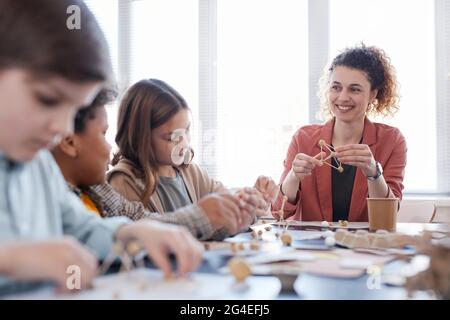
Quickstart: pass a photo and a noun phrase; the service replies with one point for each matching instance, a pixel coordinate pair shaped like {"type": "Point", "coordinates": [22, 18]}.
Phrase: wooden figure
{"type": "Point", "coordinates": [281, 211]}
{"type": "Point", "coordinates": [332, 154]}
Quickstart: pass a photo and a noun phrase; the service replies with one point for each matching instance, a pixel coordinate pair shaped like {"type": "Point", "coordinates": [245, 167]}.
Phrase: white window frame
{"type": "Point", "coordinates": [442, 15]}
{"type": "Point", "coordinates": [318, 50]}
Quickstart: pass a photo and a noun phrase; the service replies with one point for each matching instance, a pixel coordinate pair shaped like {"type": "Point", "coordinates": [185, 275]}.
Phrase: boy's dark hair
{"type": "Point", "coordinates": [34, 35]}
{"type": "Point", "coordinates": [105, 96]}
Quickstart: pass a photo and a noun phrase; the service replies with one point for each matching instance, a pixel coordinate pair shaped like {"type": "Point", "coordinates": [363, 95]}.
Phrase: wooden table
{"type": "Point", "coordinates": [311, 286]}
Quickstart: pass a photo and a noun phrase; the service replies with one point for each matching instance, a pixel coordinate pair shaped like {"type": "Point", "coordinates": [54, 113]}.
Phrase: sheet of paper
{"type": "Point", "coordinates": [280, 256]}
{"type": "Point", "coordinates": [339, 263]}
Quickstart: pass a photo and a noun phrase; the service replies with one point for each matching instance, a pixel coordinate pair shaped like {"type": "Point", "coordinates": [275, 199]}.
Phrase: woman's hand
{"type": "Point", "coordinates": [160, 240]}
{"type": "Point", "coordinates": [358, 155]}
{"type": "Point", "coordinates": [303, 165]}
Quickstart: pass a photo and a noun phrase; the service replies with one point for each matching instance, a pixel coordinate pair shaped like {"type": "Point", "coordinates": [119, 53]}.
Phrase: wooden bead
{"type": "Point", "coordinates": [143, 286]}
{"type": "Point", "coordinates": [133, 248]}
{"type": "Point", "coordinates": [343, 223]}
{"type": "Point", "coordinates": [330, 241]}
{"type": "Point", "coordinates": [239, 269]}
{"type": "Point", "coordinates": [325, 224]}
{"type": "Point", "coordinates": [115, 296]}
{"type": "Point", "coordinates": [286, 239]}
{"type": "Point", "coordinates": [327, 234]}
{"type": "Point", "coordinates": [169, 277]}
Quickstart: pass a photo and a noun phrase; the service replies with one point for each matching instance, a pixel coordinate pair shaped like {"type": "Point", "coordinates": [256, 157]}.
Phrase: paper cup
{"type": "Point", "coordinates": [382, 213]}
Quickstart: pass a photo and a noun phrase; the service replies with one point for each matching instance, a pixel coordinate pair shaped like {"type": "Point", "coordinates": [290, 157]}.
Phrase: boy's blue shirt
{"type": "Point", "coordinates": [36, 204]}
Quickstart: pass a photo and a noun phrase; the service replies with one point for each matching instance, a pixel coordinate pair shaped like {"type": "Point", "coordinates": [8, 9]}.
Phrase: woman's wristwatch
{"type": "Point", "coordinates": [378, 174]}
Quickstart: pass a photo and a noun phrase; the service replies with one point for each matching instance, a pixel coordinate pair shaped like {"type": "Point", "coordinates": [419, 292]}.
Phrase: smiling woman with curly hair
{"type": "Point", "coordinates": [369, 157]}
{"type": "Point", "coordinates": [379, 72]}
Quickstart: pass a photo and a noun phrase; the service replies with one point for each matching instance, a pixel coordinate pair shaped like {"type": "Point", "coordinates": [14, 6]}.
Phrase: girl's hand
{"type": "Point", "coordinates": [223, 211]}
{"type": "Point", "coordinates": [255, 203]}
{"type": "Point", "coordinates": [358, 155]}
{"type": "Point", "coordinates": [267, 187]}
{"type": "Point", "coordinates": [160, 240]}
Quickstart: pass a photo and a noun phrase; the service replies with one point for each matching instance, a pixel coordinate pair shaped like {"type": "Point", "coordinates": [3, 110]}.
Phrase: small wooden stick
{"type": "Point", "coordinates": [281, 212]}
{"type": "Point", "coordinates": [332, 154]}
{"type": "Point", "coordinates": [329, 164]}
{"type": "Point", "coordinates": [117, 247]}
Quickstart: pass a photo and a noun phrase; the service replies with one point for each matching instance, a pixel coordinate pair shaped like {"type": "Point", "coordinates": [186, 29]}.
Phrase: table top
{"type": "Point", "coordinates": [402, 227]}
{"type": "Point", "coordinates": [311, 286]}
{"type": "Point", "coordinates": [306, 285]}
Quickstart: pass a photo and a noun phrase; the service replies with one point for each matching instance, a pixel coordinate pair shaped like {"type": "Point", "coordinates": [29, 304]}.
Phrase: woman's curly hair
{"type": "Point", "coordinates": [379, 71]}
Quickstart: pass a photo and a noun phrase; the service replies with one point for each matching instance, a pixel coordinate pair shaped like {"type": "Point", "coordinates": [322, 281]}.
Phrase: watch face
{"type": "Point", "coordinates": [379, 169]}
{"type": "Point", "coordinates": [379, 172]}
